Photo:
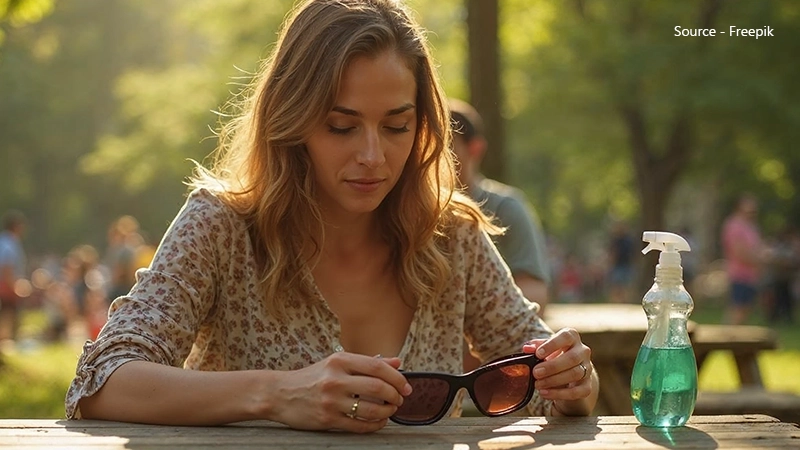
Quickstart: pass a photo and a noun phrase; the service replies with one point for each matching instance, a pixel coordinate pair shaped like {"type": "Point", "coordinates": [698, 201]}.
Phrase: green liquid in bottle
{"type": "Point", "coordinates": [664, 386]}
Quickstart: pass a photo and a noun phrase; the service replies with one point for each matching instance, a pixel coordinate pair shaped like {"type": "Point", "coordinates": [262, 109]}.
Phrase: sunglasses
{"type": "Point", "coordinates": [497, 388]}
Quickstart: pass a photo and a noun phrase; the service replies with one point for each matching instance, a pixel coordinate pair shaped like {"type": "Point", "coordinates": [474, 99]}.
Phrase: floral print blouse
{"type": "Point", "coordinates": [199, 306]}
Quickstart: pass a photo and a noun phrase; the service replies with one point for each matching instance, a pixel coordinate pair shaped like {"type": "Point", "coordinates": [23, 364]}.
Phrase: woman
{"type": "Point", "coordinates": [327, 233]}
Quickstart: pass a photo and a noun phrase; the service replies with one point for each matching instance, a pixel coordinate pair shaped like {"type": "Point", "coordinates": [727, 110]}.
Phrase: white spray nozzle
{"type": "Point", "coordinates": [664, 242]}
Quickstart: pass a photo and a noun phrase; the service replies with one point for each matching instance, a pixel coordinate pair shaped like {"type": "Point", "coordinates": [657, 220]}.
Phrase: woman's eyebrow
{"type": "Point", "coordinates": [391, 112]}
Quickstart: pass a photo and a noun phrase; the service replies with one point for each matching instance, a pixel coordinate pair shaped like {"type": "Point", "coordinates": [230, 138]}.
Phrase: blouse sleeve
{"type": "Point", "coordinates": [498, 318]}
{"type": "Point", "coordinates": [158, 320]}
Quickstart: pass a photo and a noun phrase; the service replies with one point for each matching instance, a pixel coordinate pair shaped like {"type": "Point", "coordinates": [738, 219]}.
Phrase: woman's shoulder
{"type": "Point", "coordinates": [464, 233]}
{"type": "Point", "coordinates": [208, 202]}
{"type": "Point", "coordinates": [210, 208]}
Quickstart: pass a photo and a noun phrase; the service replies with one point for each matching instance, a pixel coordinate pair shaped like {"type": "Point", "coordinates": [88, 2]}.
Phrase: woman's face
{"type": "Point", "coordinates": [358, 152]}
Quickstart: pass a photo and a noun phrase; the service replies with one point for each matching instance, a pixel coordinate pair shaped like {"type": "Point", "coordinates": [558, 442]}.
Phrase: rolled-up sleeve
{"type": "Point", "coordinates": [158, 320]}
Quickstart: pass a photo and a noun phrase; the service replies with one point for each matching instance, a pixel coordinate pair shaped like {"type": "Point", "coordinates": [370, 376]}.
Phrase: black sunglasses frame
{"type": "Point", "coordinates": [467, 381]}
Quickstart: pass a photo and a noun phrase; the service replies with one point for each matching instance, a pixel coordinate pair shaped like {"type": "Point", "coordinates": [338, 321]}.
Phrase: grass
{"type": "Point", "coordinates": [780, 369]}
{"type": "Point", "coordinates": [33, 381]}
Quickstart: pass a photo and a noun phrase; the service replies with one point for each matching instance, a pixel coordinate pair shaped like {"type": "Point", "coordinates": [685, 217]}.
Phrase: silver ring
{"type": "Point", "coordinates": [585, 371]}
{"type": "Point", "coordinates": [354, 409]}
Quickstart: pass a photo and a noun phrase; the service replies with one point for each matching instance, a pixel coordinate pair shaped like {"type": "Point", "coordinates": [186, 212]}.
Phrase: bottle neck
{"type": "Point", "coordinates": [669, 275]}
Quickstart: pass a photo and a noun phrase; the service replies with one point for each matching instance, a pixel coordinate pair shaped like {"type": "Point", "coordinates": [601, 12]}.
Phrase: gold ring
{"type": "Point", "coordinates": [585, 371]}
{"type": "Point", "coordinates": [354, 409]}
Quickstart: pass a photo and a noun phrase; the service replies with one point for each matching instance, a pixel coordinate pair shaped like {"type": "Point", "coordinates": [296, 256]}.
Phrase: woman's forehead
{"type": "Point", "coordinates": [376, 84]}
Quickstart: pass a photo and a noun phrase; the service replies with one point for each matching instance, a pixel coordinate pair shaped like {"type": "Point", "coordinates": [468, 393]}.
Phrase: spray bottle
{"type": "Point", "coordinates": [664, 379]}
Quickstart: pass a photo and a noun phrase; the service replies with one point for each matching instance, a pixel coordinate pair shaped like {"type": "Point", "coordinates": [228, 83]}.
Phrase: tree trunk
{"type": "Point", "coordinates": [484, 80]}
{"type": "Point", "coordinates": [656, 174]}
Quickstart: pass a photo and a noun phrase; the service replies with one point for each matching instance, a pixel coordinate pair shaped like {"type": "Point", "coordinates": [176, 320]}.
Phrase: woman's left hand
{"type": "Point", "coordinates": [566, 374]}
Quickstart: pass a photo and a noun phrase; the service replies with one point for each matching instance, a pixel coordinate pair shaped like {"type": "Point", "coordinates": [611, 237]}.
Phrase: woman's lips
{"type": "Point", "coordinates": [365, 184]}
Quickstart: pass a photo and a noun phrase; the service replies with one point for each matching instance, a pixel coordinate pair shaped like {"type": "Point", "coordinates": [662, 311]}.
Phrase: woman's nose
{"type": "Point", "coordinates": [371, 152]}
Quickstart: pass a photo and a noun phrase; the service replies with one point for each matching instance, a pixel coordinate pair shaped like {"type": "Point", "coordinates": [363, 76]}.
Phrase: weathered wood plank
{"type": "Point", "coordinates": [458, 422]}
{"type": "Point", "coordinates": [498, 442]}
{"type": "Point", "coordinates": [611, 424]}
{"type": "Point", "coordinates": [259, 431]}
{"type": "Point", "coordinates": [749, 431]}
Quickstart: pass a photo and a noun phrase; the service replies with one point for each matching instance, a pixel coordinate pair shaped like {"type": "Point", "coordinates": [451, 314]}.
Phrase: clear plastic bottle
{"type": "Point", "coordinates": [664, 379]}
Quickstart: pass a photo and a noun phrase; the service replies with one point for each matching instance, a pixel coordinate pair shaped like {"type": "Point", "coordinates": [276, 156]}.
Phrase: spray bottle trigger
{"type": "Point", "coordinates": [653, 246]}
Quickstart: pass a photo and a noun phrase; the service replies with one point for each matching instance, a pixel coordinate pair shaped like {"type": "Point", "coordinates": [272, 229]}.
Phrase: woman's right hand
{"type": "Point", "coordinates": [320, 396]}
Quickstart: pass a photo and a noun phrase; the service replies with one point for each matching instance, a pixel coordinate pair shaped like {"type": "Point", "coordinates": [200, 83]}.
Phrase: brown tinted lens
{"type": "Point", "coordinates": [426, 401]}
{"type": "Point", "coordinates": [502, 389]}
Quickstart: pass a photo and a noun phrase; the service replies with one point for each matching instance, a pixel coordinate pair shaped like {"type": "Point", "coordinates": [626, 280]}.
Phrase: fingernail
{"type": "Point", "coordinates": [407, 389]}
{"type": "Point", "coordinates": [540, 352]}
{"type": "Point", "coordinates": [539, 371]}
{"type": "Point", "coordinates": [543, 391]}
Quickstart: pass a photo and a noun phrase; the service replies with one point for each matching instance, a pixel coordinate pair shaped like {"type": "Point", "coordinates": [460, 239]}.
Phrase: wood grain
{"type": "Point", "coordinates": [605, 432]}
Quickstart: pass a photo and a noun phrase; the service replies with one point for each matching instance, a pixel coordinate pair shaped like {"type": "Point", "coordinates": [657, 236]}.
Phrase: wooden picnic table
{"type": "Point", "coordinates": [565, 433]}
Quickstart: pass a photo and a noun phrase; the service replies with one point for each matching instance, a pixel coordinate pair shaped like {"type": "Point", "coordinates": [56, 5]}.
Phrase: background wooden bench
{"type": "Point", "coordinates": [744, 341]}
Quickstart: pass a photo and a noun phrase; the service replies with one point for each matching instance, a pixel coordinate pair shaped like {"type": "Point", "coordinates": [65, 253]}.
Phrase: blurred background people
{"type": "Point", "coordinates": [570, 280]}
{"type": "Point", "coordinates": [743, 252]}
{"type": "Point", "coordinates": [620, 263]}
{"type": "Point", "coordinates": [124, 242]}
{"type": "Point", "coordinates": [12, 270]}
{"type": "Point", "coordinates": [523, 246]}
{"type": "Point", "coordinates": [783, 262]}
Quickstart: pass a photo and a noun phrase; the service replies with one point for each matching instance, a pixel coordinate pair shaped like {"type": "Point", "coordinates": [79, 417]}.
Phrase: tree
{"type": "Point", "coordinates": [486, 94]}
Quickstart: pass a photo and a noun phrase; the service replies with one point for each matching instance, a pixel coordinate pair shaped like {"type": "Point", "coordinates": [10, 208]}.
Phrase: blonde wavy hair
{"type": "Point", "coordinates": [262, 170]}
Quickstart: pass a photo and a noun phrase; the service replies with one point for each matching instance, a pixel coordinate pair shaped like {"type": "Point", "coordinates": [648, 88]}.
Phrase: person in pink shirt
{"type": "Point", "coordinates": [742, 248]}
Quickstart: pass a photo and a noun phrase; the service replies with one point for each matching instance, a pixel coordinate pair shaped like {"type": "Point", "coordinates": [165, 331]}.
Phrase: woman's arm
{"type": "Point", "coordinates": [318, 397]}
{"type": "Point", "coordinates": [147, 392]}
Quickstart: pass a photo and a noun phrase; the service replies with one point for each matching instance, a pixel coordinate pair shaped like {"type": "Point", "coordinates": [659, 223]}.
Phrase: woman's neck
{"type": "Point", "coordinates": [347, 237]}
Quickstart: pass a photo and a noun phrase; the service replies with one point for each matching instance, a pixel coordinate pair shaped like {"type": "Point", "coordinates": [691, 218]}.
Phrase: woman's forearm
{"type": "Point", "coordinates": [146, 392]}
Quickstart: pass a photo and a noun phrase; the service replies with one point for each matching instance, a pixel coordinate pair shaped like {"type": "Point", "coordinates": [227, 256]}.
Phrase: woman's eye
{"type": "Point", "coordinates": [336, 130]}
{"type": "Point", "coordinates": [398, 130]}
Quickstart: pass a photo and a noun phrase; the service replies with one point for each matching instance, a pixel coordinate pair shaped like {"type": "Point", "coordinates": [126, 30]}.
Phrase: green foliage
{"type": "Point", "coordinates": [21, 12]}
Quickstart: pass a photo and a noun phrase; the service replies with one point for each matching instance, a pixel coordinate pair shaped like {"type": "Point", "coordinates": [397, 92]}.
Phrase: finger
{"type": "Point", "coordinates": [561, 340]}
{"type": "Point", "coordinates": [576, 392]}
{"type": "Point", "coordinates": [381, 368]}
{"type": "Point", "coordinates": [532, 345]}
{"type": "Point", "coordinates": [374, 389]}
{"type": "Point", "coordinates": [393, 362]}
{"type": "Point", "coordinates": [363, 409]}
{"type": "Point", "coordinates": [574, 374]}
